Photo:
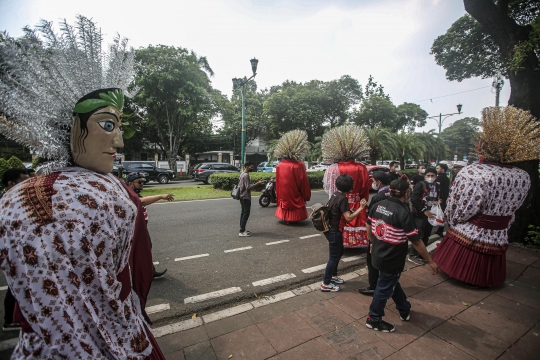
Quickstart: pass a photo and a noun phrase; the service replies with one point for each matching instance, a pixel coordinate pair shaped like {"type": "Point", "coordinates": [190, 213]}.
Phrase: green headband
{"type": "Point", "coordinates": [112, 98]}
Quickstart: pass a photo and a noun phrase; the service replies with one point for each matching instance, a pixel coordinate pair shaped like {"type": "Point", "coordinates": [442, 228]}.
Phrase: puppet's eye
{"type": "Point", "coordinates": [107, 125]}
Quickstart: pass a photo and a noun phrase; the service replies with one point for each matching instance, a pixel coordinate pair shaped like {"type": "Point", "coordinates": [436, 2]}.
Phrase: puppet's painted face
{"type": "Point", "coordinates": [95, 147]}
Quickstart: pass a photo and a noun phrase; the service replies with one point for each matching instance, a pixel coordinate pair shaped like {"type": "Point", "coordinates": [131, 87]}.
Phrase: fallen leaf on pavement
{"type": "Point", "coordinates": [464, 303]}
{"type": "Point", "coordinates": [255, 294]}
{"type": "Point", "coordinates": [230, 356]}
{"type": "Point", "coordinates": [194, 316]}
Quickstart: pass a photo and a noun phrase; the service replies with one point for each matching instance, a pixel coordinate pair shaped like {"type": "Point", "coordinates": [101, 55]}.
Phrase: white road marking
{"type": "Point", "coordinates": [309, 236]}
{"type": "Point", "coordinates": [212, 295]}
{"type": "Point", "coordinates": [227, 313]}
{"type": "Point", "coordinates": [157, 308]}
{"type": "Point", "coordinates": [351, 258]}
{"type": "Point", "coordinates": [313, 269]}
{"type": "Point", "coordinates": [174, 328]}
{"type": "Point", "coordinates": [363, 271]}
{"type": "Point", "coordinates": [433, 246]}
{"type": "Point", "coordinates": [191, 257]}
{"type": "Point", "coordinates": [8, 344]}
{"type": "Point", "coordinates": [238, 249]}
{"type": "Point", "coordinates": [277, 242]}
{"type": "Point", "coordinates": [156, 263]}
{"type": "Point", "coordinates": [3, 288]}
{"type": "Point", "coordinates": [302, 290]}
{"type": "Point", "coordinates": [274, 279]}
{"type": "Point", "coordinates": [265, 300]}
{"type": "Point", "coordinates": [349, 276]}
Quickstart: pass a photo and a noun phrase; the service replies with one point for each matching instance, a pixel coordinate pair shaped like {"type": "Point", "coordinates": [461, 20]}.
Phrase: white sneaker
{"type": "Point", "coordinates": [244, 234]}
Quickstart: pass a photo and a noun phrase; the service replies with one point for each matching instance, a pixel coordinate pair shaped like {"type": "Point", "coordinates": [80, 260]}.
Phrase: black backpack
{"type": "Point", "coordinates": [320, 215]}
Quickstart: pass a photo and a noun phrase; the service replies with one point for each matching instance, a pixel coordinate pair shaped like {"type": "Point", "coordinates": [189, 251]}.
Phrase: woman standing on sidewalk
{"type": "Point", "coordinates": [339, 210]}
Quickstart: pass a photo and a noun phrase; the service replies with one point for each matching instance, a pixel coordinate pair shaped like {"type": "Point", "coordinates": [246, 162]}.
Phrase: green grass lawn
{"type": "Point", "coordinates": [195, 192]}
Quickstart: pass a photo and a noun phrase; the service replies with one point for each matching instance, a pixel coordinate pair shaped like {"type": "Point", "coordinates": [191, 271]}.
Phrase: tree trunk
{"type": "Point", "coordinates": [373, 159]}
{"type": "Point", "coordinates": [402, 162]}
{"type": "Point", "coordinates": [525, 92]}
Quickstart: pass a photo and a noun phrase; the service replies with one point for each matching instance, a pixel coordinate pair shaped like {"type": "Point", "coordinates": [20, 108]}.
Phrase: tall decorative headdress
{"type": "Point", "coordinates": [509, 135]}
{"type": "Point", "coordinates": [292, 145]}
{"type": "Point", "coordinates": [345, 142]}
{"type": "Point", "coordinates": [45, 73]}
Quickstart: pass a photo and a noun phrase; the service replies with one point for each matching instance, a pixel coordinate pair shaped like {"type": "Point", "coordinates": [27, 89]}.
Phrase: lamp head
{"type": "Point", "coordinates": [459, 106]}
{"type": "Point", "coordinates": [254, 63]}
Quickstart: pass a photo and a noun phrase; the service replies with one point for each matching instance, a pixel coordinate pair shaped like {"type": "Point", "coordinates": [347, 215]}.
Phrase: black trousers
{"type": "Point", "coordinates": [373, 274]}
{"type": "Point", "coordinates": [424, 230]}
{"type": "Point", "coordinates": [244, 216]}
{"type": "Point", "coordinates": [9, 307]}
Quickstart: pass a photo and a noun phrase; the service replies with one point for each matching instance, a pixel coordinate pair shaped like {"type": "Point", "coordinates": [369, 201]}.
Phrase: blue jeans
{"type": "Point", "coordinates": [244, 216]}
{"type": "Point", "coordinates": [335, 245]}
{"type": "Point", "coordinates": [388, 287]}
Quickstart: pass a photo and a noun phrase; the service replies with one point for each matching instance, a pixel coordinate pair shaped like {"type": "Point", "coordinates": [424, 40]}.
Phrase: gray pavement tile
{"type": "Point", "coordinates": [355, 341]}
{"type": "Point", "coordinates": [522, 293]}
{"type": "Point", "coordinates": [397, 356]}
{"type": "Point", "coordinates": [531, 276]}
{"type": "Point", "coordinates": [324, 317]}
{"type": "Point", "coordinates": [200, 351]}
{"type": "Point", "coordinates": [170, 343]}
{"type": "Point", "coordinates": [412, 285]}
{"type": "Point", "coordinates": [270, 311]}
{"type": "Point", "coordinates": [193, 336]}
{"type": "Point", "coordinates": [406, 332]}
{"type": "Point", "coordinates": [247, 343]}
{"type": "Point", "coordinates": [471, 339]}
{"type": "Point", "coordinates": [527, 348]}
{"type": "Point", "coordinates": [429, 347]}
{"type": "Point", "coordinates": [177, 355]}
{"type": "Point", "coordinates": [522, 255]}
{"type": "Point", "coordinates": [514, 270]}
{"type": "Point", "coordinates": [424, 273]}
{"type": "Point", "coordinates": [287, 331]}
{"type": "Point", "coordinates": [224, 326]}
{"type": "Point", "coordinates": [427, 314]}
{"type": "Point", "coordinates": [461, 292]}
{"type": "Point", "coordinates": [536, 264]}
{"type": "Point", "coordinates": [316, 349]}
{"type": "Point", "coordinates": [514, 318]}
{"type": "Point", "coordinates": [354, 304]}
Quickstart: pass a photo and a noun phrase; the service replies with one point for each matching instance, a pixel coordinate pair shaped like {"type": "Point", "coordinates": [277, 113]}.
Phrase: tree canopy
{"type": "Point", "coordinates": [459, 136]}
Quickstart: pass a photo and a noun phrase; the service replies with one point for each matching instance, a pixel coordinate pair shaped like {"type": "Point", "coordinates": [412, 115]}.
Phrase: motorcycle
{"type": "Point", "coordinates": [268, 195]}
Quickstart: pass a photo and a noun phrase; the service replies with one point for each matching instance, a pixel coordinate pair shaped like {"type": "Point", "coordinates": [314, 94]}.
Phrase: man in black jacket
{"type": "Point", "coordinates": [443, 179]}
{"type": "Point", "coordinates": [389, 226]}
{"type": "Point", "coordinates": [380, 183]}
{"type": "Point", "coordinates": [425, 194]}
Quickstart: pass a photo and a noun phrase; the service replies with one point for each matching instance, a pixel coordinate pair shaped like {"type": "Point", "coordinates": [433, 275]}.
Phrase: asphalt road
{"type": "Point", "coordinates": [209, 228]}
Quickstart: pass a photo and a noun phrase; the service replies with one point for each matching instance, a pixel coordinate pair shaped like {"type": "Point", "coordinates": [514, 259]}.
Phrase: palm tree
{"type": "Point", "coordinates": [380, 140]}
{"type": "Point", "coordinates": [407, 145]}
{"type": "Point", "coordinates": [435, 148]}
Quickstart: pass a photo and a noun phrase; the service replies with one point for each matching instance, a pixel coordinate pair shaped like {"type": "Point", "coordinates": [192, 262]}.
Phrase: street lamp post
{"type": "Point", "coordinates": [440, 116]}
{"type": "Point", "coordinates": [239, 83]}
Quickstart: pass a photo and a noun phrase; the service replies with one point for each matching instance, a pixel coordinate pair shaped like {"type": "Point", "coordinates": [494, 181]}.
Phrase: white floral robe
{"type": "Point", "coordinates": [64, 237]}
{"type": "Point", "coordinates": [490, 190]}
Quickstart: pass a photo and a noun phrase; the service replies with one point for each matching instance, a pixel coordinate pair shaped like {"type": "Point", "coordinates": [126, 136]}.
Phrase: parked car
{"type": "Point", "coordinates": [154, 173]}
{"type": "Point", "coordinates": [266, 166]}
{"type": "Point", "coordinates": [319, 167]}
{"type": "Point", "coordinates": [411, 166]}
{"type": "Point", "coordinates": [204, 171]}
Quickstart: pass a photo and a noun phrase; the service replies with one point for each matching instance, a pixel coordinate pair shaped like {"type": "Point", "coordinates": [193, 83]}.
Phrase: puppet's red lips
{"type": "Point", "coordinates": [111, 154]}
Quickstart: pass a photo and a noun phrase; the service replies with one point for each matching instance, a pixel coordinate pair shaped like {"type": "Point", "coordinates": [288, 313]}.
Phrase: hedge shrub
{"type": "Point", "coordinates": [226, 181]}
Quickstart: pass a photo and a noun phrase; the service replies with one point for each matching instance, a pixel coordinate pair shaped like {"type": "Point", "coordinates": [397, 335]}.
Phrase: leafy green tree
{"type": "Point", "coordinates": [459, 136]}
{"type": "Point", "coordinates": [376, 111]}
{"type": "Point", "coordinates": [501, 35]}
{"type": "Point", "coordinates": [407, 145]}
{"type": "Point", "coordinates": [175, 96]}
{"type": "Point", "coordinates": [341, 97]}
{"type": "Point", "coordinates": [410, 116]}
{"type": "Point", "coordinates": [380, 140]}
{"type": "Point", "coordinates": [15, 163]}
{"type": "Point", "coordinates": [434, 147]}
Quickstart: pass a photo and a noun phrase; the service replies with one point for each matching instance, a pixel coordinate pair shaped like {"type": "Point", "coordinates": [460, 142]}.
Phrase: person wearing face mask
{"type": "Point", "coordinates": [395, 171]}
{"type": "Point", "coordinates": [426, 193]}
{"type": "Point", "coordinates": [420, 176]}
{"type": "Point", "coordinates": [135, 181]}
{"type": "Point", "coordinates": [244, 188]}
{"type": "Point", "coordinates": [381, 184]}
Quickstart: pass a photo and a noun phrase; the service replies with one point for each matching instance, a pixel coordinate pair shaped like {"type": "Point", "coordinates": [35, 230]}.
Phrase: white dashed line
{"type": "Point", "coordinates": [3, 288]}
{"type": "Point", "coordinates": [433, 246]}
{"type": "Point", "coordinates": [265, 300]}
{"type": "Point", "coordinates": [177, 327]}
{"type": "Point", "coordinates": [191, 257]}
{"type": "Point", "coordinates": [238, 249]}
{"type": "Point", "coordinates": [227, 313]}
{"type": "Point", "coordinates": [157, 308]}
{"type": "Point", "coordinates": [351, 258]}
{"type": "Point", "coordinates": [313, 269]}
{"type": "Point", "coordinates": [277, 242]}
{"type": "Point", "coordinates": [309, 236]}
{"type": "Point", "coordinates": [211, 295]}
{"type": "Point", "coordinates": [274, 279]}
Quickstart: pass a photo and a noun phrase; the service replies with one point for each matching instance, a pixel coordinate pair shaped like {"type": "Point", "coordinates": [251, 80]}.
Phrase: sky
{"type": "Point", "coordinates": [298, 40]}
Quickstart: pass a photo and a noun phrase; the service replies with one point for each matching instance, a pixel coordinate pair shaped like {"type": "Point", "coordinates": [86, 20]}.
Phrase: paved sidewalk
{"type": "Point", "coordinates": [448, 321]}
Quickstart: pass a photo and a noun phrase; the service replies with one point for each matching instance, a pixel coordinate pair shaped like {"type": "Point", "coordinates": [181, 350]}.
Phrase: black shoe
{"type": "Point", "coordinates": [159, 273]}
{"type": "Point", "coordinates": [379, 326]}
{"type": "Point", "coordinates": [406, 317]}
{"type": "Point", "coordinates": [367, 291]}
{"type": "Point", "coordinates": [11, 327]}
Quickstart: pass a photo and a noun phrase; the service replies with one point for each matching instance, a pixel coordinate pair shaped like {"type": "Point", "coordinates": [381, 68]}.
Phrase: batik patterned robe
{"type": "Point", "coordinates": [64, 238]}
